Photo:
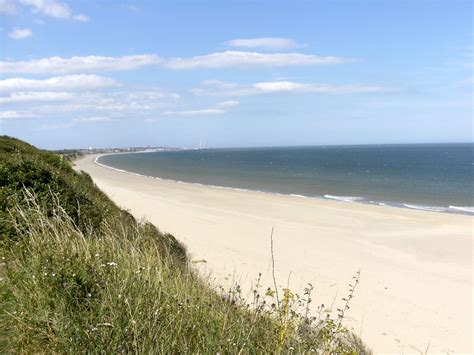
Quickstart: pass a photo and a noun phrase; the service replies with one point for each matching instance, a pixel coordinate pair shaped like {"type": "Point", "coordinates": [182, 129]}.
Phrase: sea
{"type": "Point", "coordinates": [429, 177]}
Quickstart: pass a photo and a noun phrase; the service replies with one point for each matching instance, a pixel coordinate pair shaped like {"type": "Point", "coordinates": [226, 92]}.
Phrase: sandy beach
{"type": "Point", "coordinates": [416, 285]}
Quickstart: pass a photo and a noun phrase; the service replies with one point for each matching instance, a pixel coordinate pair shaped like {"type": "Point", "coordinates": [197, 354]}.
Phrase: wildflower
{"type": "Point", "coordinates": [96, 255]}
{"type": "Point", "coordinates": [112, 263]}
{"type": "Point", "coordinates": [89, 295]}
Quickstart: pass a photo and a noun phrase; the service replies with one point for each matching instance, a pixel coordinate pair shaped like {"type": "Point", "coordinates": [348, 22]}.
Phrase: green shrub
{"type": "Point", "coordinates": [53, 181]}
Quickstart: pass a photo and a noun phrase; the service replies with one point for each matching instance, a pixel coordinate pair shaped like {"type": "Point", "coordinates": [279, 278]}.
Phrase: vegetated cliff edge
{"type": "Point", "coordinates": [80, 274]}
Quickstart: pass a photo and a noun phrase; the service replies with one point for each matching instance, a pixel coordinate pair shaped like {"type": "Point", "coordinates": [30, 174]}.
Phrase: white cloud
{"type": "Point", "coordinates": [249, 59]}
{"type": "Point", "coordinates": [50, 8]}
{"type": "Point", "coordinates": [8, 7]}
{"type": "Point", "coordinates": [53, 8]}
{"type": "Point", "coordinates": [220, 84]}
{"type": "Point", "coordinates": [67, 82]}
{"type": "Point", "coordinates": [94, 119]}
{"type": "Point", "coordinates": [275, 86]}
{"type": "Point", "coordinates": [81, 95]}
{"type": "Point", "coordinates": [20, 33]}
{"type": "Point", "coordinates": [228, 104]}
{"type": "Point", "coordinates": [100, 105]}
{"type": "Point", "coordinates": [218, 88]}
{"type": "Point", "coordinates": [12, 115]}
{"type": "Point", "coordinates": [104, 104]}
{"type": "Point", "coordinates": [78, 64]}
{"type": "Point", "coordinates": [58, 65]}
{"type": "Point", "coordinates": [264, 43]}
{"type": "Point", "coordinates": [203, 112]}
{"type": "Point", "coordinates": [111, 103]}
{"type": "Point", "coordinates": [25, 97]}
{"type": "Point", "coordinates": [152, 95]}
{"type": "Point", "coordinates": [288, 86]}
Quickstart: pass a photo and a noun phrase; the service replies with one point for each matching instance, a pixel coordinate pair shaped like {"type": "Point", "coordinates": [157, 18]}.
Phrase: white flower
{"type": "Point", "coordinates": [112, 263]}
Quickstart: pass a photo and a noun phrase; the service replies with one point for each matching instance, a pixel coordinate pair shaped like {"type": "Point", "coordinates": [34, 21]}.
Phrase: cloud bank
{"type": "Point", "coordinates": [27, 97]}
{"type": "Point", "coordinates": [58, 65]}
{"type": "Point", "coordinates": [221, 88]}
{"type": "Point", "coordinates": [227, 59]}
{"type": "Point", "coordinates": [67, 82]}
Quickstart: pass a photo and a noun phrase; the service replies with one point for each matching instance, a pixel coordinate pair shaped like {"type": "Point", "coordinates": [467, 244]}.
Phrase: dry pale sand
{"type": "Point", "coordinates": [416, 267]}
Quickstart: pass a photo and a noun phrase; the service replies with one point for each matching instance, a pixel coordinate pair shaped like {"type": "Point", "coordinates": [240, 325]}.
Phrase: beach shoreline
{"type": "Point", "coordinates": [410, 260]}
{"type": "Point", "coordinates": [463, 210]}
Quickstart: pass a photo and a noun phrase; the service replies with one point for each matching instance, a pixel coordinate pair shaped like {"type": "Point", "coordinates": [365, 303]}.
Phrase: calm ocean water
{"type": "Point", "coordinates": [428, 177]}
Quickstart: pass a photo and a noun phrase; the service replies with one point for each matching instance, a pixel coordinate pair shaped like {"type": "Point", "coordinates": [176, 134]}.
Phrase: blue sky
{"type": "Point", "coordinates": [235, 73]}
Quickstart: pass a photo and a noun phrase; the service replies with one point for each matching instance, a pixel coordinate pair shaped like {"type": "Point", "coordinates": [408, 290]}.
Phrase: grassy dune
{"type": "Point", "coordinates": [80, 275]}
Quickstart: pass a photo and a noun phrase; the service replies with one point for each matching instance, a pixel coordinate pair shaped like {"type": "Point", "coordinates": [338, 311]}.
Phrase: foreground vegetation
{"type": "Point", "coordinates": [80, 275]}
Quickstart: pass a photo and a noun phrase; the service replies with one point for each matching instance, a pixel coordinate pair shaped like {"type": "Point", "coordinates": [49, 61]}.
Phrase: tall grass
{"type": "Point", "coordinates": [64, 290]}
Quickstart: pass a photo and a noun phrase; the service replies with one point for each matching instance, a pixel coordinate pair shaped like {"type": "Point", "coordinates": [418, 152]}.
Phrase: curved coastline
{"type": "Point", "coordinates": [322, 242]}
{"type": "Point", "coordinates": [450, 209]}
